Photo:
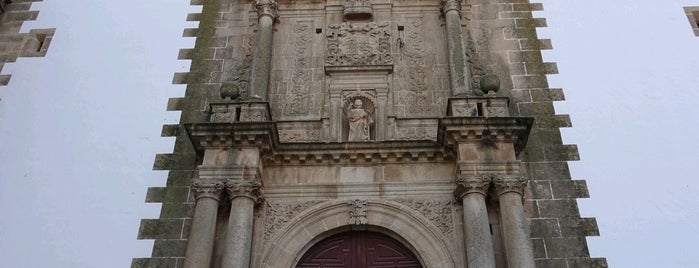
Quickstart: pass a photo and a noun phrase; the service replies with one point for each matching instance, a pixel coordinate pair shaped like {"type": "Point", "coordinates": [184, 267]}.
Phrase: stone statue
{"type": "Point", "coordinates": [359, 122]}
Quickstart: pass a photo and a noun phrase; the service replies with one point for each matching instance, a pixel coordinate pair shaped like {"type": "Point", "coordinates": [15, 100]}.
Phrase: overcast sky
{"type": "Point", "coordinates": [80, 128]}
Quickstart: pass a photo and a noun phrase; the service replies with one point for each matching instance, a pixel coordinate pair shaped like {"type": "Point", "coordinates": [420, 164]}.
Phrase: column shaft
{"type": "Point", "coordinates": [239, 237]}
{"type": "Point", "coordinates": [262, 58]}
{"type": "Point", "coordinates": [202, 234]}
{"type": "Point", "coordinates": [518, 246]}
{"type": "Point", "coordinates": [479, 242]}
{"type": "Point", "coordinates": [458, 68]}
{"type": "Point", "coordinates": [472, 190]}
{"type": "Point", "coordinates": [200, 242]}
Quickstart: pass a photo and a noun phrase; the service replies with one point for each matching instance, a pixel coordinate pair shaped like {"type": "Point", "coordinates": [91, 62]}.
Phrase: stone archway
{"type": "Point", "coordinates": [359, 249]}
{"type": "Point", "coordinates": [401, 223]}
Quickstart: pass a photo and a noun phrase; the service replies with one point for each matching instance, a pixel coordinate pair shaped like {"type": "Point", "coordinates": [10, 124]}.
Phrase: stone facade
{"type": "Point", "coordinates": [465, 170]}
{"type": "Point", "coordinates": [693, 16]}
{"type": "Point", "coordinates": [13, 44]}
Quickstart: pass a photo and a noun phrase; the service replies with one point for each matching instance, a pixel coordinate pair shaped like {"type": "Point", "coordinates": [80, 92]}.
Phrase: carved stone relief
{"type": "Point", "coordinates": [358, 212]}
{"type": "Point", "coordinates": [298, 102]}
{"type": "Point", "coordinates": [359, 110]}
{"type": "Point", "coordinates": [278, 213]}
{"type": "Point", "coordinates": [238, 82]}
{"type": "Point", "coordinates": [438, 212]}
{"type": "Point", "coordinates": [359, 44]}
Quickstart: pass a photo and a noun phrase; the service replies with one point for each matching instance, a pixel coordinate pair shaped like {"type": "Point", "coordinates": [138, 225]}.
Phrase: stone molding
{"type": "Point", "coordinates": [267, 8]}
{"type": "Point", "coordinates": [471, 184]}
{"type": "Point", "coordinates": [509, 184]}
{"type": "Point", "coordinates": [397, 220]}
{"type": "Point", "coordinates": [248, 189]}
{"type": "Point", "coordinates": [449, 5]}
{"type": "Point", "coordinates": [207, 189]}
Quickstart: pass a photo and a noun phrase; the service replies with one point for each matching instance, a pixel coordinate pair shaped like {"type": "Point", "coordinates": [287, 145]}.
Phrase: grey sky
{"type": "Point", "coordinates": [80, 128]}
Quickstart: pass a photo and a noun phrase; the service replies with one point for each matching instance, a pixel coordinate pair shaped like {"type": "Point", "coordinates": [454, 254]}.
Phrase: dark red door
{"type": "Point", "coordinates": [359, 250]}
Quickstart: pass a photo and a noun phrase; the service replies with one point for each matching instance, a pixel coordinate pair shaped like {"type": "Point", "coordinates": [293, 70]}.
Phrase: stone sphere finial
{"type": "Point", "coordinates": [230, 90]}
{"type": "Point", "coordinates": [490, 84]}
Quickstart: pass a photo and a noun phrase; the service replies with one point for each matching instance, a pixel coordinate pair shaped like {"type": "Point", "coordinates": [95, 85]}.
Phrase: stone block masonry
{"type": "Point", "coordinates": [14, 44]}
{"type": "Point", "coordinates": [308, 170]}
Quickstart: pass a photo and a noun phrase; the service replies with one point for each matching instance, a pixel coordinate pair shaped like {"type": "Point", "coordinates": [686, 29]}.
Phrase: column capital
{"type": "Point", "coordinates": [471, 184]}
{"type": "Point", "coordinates": [449, 5]}
{"type": "Point", "coordinates": [511, 183]}
{"type": "Point", "coordinates": [249, 189]}
{"type": "Point", "coordinates": [267, 8]}
{"type": "Point", "coordinates": [207, 189]}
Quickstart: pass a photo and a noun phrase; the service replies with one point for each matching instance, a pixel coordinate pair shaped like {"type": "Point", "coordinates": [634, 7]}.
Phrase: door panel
{"type": "Point", "coordinates": [359, 250]}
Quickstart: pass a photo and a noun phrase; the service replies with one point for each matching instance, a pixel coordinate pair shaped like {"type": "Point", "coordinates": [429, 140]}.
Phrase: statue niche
{"type": "Point", "coordinates": [359, 118]}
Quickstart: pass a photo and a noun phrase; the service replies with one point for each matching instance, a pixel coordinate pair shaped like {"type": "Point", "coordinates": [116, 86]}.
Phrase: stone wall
{"type": "Point", "coordinates": [14, 44]}
{"type": "Point", "coordinates": [307, 90]}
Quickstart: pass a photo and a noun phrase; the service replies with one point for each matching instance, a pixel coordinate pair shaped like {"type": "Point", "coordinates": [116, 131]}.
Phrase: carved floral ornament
{"type": "Point", "coordinates": [207, 189]}
{"type": "Point", "coordinates": [479, 184]}
{"type": "Point", "coordinates": [509, 184]}
{"type": "Point", "coordinates": [449, 5]}
{"type": "Point", "coordinates": [267, 7]}
{"type": "Point", "coordinates": [249, 189]}
{"type": "Point", "coordinates": [466, 185]}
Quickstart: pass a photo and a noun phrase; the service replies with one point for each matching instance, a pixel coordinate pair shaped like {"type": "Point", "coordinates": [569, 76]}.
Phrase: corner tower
{"type": "Point", "coordinates": [367, 132]}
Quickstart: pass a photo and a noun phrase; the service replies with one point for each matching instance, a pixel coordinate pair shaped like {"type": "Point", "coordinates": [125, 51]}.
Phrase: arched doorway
{"type": "Point", "coordinates": [359, 249]}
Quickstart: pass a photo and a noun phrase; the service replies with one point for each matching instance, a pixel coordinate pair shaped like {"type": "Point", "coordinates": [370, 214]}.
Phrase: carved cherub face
{"type": "Point", "coordinates": [357, 103]}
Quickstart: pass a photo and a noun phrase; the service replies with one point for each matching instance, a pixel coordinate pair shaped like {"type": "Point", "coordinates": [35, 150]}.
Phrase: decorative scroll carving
{"type": "Point", "coordinates": [249, 189]}
{"type": "Point", "coordinates": [267, 8]}
{"type": "Point", "coordinates": [302, 75]}
{"type": "Point", "coordinates": [508, 184]}
{"type": "Point", "coordinates": [207, 189]}
{"type": "Point", "coordinates": [359, 44]}
{"type": "Point", "coordinates": [437, 211]}
{"type": "Point", "coordinates": [358, 212]}
{"type": "Point", "coordinates": [449, 5]}
{"type": "Point", "coordinates": [470, 184]}
{"type": "Point", "coordinates": [278, 213]}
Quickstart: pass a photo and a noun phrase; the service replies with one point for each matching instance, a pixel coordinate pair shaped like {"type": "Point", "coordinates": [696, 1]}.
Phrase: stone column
{"type": "Point", "coordinates": [244, 196]}
{"type": "Point", "coordinates": [202, 234]}
{"type": "Point", "coordinates": [518, 247]}
{"type": "Point", "coordinates": [458, 68]}
{"type": "Point", "coordinates": [472, 191]}
{"type": "Point", "coordinates": [262, 59]}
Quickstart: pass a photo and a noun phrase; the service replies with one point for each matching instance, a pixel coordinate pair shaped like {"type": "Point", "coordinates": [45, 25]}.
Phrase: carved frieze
{"type": "Point", "coordinates": [417, 133]}
{"type": "Point", "coordinates": [308, 135]}
{"type": "Point", "coordinates": [279, 213]}
{"type": "Point", "coordinates": [357, 44]}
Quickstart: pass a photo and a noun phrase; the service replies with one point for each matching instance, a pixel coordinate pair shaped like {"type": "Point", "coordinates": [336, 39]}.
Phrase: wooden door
{"type": "Point", "coordinates": [359, 250]}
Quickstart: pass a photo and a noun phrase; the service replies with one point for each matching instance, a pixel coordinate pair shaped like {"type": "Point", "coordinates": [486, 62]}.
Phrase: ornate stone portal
{"type": "Point", "coordinates": [357, 115]}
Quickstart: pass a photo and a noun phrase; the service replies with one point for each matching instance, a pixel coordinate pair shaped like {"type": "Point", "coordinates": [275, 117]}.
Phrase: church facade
{"type": "Point", "coordinates": [367, 133]}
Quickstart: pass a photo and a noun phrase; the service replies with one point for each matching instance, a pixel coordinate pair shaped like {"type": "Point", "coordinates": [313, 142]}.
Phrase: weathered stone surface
{"type": "Point", "coordinates": [404, 62]}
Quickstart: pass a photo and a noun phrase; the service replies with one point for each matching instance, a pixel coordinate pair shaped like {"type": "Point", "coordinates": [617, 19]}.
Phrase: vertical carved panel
{"type": "Point", "coordinates": [298, 102]}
